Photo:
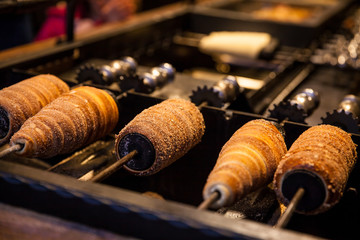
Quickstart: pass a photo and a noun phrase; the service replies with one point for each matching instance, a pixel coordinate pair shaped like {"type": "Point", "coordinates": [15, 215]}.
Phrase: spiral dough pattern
{"type": "Point", "coordinates": [246, 162]}
{"type": "Point", "coordinates": [24, 99]}
{"type": "Point", "coordinates": [73, 120]}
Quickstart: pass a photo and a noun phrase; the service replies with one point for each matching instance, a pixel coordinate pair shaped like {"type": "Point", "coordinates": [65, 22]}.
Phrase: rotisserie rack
{"type": "Point", "coordinates": [144, 139]}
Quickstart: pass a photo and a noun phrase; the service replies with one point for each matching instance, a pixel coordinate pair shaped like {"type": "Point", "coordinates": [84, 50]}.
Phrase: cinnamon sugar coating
{"type": "Point", "coordinates": [24, 99]}
{"type": "Point", "coordinates": [173, 126]}
{"type": "Point", "coordinates": [73, 120]}
{"type": "Point", "coordinates": [325, 151]}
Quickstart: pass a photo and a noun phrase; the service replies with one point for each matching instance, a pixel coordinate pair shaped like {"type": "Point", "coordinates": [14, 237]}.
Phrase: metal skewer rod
{"type": "Point", "coordinates": [203, 104]}
{"type": "Point", "coordinates": [285, 218]}
{"type": "Point", "coordinates": [112, 168]}
{"type": "Point", "coordinates": [282, 123]}
{"type": "Point", "coordinates": [87, 176]}
{"type": "Point", "coordinates": [11, 149]}
{"type": "Point", "coordinates": [208, 202]}
{"type": "Point", "coordinates": [124, 93]}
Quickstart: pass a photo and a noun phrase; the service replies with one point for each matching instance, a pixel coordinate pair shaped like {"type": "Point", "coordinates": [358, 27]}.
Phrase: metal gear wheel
{"type": "Point", "coordinates": [129, 82]}
{"type": "Point", "coordinates": [205, 94]}
{"type": "Point", "coordinates": [342, 119]}
{"type": "Point", "coordinates": [287, 110]}
{"type": "Point", "coordinates": [90, 72]}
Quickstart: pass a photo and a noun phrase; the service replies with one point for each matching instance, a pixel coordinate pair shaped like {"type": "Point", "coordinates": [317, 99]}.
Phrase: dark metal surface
{"type": "Point", "coordinates": [145, 156]}
{"type": "Point", "coordinates": [117, 204]}
{"type": "Point", "coordinates": [236, 16]}
{"type": "Point", "coordinates": [122, 211]}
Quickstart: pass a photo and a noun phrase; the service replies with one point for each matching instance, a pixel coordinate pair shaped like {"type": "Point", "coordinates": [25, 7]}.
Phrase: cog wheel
{"type": "Point", "coordinates": [286, 110]}
{"type": "Point", "coordinates": [90, 72]}
{"type": "Point", "coordinates": [208, 95]}
{"type": "Point", "coordinates": [129, 82]}
{"type": "Point", "coordinates": [342, 119]}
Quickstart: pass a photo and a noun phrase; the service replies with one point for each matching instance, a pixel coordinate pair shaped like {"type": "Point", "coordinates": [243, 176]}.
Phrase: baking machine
{"type": "Point", "coordinates": [308, 77]}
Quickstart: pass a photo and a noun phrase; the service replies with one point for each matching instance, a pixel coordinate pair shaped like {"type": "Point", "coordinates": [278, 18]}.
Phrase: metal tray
{"type": "Point", "coordinates": [240, 16]}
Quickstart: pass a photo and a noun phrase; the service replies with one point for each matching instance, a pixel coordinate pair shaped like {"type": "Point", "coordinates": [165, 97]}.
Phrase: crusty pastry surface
{"type": "Point", "coordinates": [246, 162]}
{"type": "Point", "coordinates": [75, 119]}
{"type": "Point", "coordinates": [173, 126]}
{"type": "Point", "coordinates": [326, 151]}
{"type": "Point", "coordinates": [24, 99]}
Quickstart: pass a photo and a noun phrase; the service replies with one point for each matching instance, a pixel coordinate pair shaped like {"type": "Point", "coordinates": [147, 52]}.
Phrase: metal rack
{"type": "Point", "coordinates": [117, 204]}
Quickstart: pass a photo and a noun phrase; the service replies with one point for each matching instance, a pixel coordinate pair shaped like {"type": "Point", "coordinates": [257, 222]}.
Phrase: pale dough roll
{"type": "Point", "coordinates": [246, 162]}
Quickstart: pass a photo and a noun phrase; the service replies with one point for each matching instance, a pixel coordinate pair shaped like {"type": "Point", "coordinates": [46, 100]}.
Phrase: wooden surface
{"type": "Point", "coordinates": [21, 224]}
